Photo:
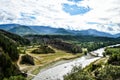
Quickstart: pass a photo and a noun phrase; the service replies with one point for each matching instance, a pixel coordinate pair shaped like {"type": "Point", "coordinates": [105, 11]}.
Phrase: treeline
{"type": "Point", "coordinates": [95, 45]}
{"type": "Point", "coordinates": [79, 38]}
{"type": "Point", "coordinates": [68, 47]}
{"type": "Point", "coordinates": [56, 41]}
{"type": "Point", "coordinates": [89, 42]}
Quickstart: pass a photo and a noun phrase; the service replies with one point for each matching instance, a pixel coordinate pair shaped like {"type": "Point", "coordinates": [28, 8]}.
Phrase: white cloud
{"type": "Point", "coordinates": [50, 12]}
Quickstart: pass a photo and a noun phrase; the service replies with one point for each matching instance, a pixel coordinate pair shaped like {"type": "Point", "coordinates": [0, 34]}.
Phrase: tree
{"type": "Point", "coordinates": [78, 74]}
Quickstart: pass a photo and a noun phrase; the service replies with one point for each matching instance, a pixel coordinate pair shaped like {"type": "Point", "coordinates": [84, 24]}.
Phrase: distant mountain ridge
{"type": "Point", "coordinates": [94, 32]}
{"type": "Point", "coordinates": [8, 26]}
{"type": "Point", "coordinates": [49, 30]}
{"type": "Point", "coordinates": [24, 30]}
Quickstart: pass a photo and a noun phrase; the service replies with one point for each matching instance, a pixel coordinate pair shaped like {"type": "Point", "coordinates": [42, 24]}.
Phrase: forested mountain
{"type": "Point", "coordinates": [16, 38]}
{"type": "Point", "coordinates": [49, 30]}
{"type": "Point", "coordinates": [9, 53]}
{"type": "Point", "coordinates": [24, 30]}
{"type": "Point", "coordinates": [89, 42]}
{"type": "Point", "coordinates": [8, 26]}
{"type": "Point", "coordinates": [117, 35]}
{"type": "Point", "coordinates": [94, 33]}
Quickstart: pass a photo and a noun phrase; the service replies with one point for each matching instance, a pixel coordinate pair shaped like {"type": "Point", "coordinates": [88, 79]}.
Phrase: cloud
{"type": "Point", "coordinates": [97, 14]}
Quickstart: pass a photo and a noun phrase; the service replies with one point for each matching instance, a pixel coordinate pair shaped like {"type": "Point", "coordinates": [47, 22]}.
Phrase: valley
{"type": "Point", "coordinates": [59, 39]}
{"type": "Point", "coordinates": [35, 53]}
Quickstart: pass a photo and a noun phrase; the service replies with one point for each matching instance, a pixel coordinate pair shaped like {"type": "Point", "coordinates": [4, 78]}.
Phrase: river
{"type": "Point", "coordinates": [57, 72]}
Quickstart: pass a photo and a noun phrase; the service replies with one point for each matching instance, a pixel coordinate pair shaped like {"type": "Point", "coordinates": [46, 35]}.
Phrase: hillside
{"type": "Point", "coordinates": [16, 38]}
{"type": "Point", "coordinates": [22, 30]}
{"type": "Point", "coordinates": [49, 30]}
{"type": "Point", "coordinates": [117, 35]}
{"type": "Point", "coordinates": [59, 41]}
{"type": "Point", "coordinates": [7, 67]}
{"type": "Point", "coordinates": [93, 32]}
{"type": "Point", "coordinates": [8, 26]}
{"type": "Point", "coordinates": [25, 30]}
{"type": "Point", "coordinates": [9, 54]}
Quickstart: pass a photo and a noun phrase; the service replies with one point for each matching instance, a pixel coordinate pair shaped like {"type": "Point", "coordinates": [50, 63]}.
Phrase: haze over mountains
{"type": "Point", "coordinates": [24, 30]}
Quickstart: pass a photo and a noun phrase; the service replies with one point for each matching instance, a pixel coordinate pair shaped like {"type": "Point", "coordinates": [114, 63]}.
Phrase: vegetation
{"type": "Point", "coordinates": [43, 49]}
{"type": "Point", "coordinates": [89, 42]}
{"type": "Point", "coordinates": [114, 53]}
{"type": "Point", "coordinates": [7, 68]}
{"type": "Point", "coordinates": [16, 38]}
{"type": "Point", "coordinates": [27, 59]}
{"type": "Point", "coordinates": [9, 47]}
{"type": "Point", "coordinates": [44, 60]}
{"type": "Point", "coordinates": [61, 46]}
{"type": "Point", "coordinates": [9, 54]}
{"type": "Point", "coordinates": [70, 48]}
{"type": "Point", "coordinates": [15, 78]}
{"type": "Point", "coordinates": [78, 73]}
{"type": "Point", "coordinates": [108, 73]}
{"type": "Point", "coordinates": [100, 70]}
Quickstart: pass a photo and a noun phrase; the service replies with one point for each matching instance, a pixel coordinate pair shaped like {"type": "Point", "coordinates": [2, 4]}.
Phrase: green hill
{"type": "Point", "coordinates": [9, 54]}
{"type": "Point", "coordinates": [16, 38]}
{"type": "Point", "coordinates": [22, 30]}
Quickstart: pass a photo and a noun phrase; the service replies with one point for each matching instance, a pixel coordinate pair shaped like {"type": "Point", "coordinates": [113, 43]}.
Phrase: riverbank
{"type": "Point", "coordinates": [44, 60]}
{"type": "Point", "coordinates": [51, 65]}
{"type": "Point", "coordinates": [59, 71]}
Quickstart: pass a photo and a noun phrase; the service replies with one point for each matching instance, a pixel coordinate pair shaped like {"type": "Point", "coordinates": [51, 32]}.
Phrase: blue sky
{"type": "Point", "coordinates": [75, 10]}
{"type": "Point", "coordinates": [102, 15]}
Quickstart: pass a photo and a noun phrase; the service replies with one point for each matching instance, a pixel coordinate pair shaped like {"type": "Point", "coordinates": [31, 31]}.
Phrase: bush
{"type": "Point", "coordinates": [27, 59]}
{"type": "Point", "coordinates": [15, 78]}
{"type": "Point", "coordinates": [114, 59]}
{"type": "Point", "coordinates": [109, 72]}
{"type": "Point", "coordinates": [78, 74]}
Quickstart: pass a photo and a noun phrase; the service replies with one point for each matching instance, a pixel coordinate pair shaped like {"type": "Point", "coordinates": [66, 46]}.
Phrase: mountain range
{"type": "Point", "coordinates": [25, 30]}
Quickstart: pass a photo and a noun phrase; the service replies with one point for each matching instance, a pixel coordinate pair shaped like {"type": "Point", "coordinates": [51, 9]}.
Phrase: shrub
{"type": "Point", "coordinates": [27, 59]}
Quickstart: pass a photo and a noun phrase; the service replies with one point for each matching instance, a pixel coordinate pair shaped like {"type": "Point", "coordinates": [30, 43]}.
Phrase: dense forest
{"type": "Point", "coordinates": [16, 38]}
{"type": "Point", "coordinates": [9, 54]}
{"type": "Point", "coordinates": [89, 42]}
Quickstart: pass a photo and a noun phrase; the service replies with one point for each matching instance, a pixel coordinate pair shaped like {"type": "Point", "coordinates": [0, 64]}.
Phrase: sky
{"type": "Point", "coordinates": [102, 15]}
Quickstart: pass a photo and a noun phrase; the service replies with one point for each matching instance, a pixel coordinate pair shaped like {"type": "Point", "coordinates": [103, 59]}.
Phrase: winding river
{"type": "Point", "coordinates": [57, 72]}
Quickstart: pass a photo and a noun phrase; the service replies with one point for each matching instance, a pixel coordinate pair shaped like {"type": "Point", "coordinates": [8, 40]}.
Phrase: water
{"type": "Point", "coordinates": [57, 72]}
